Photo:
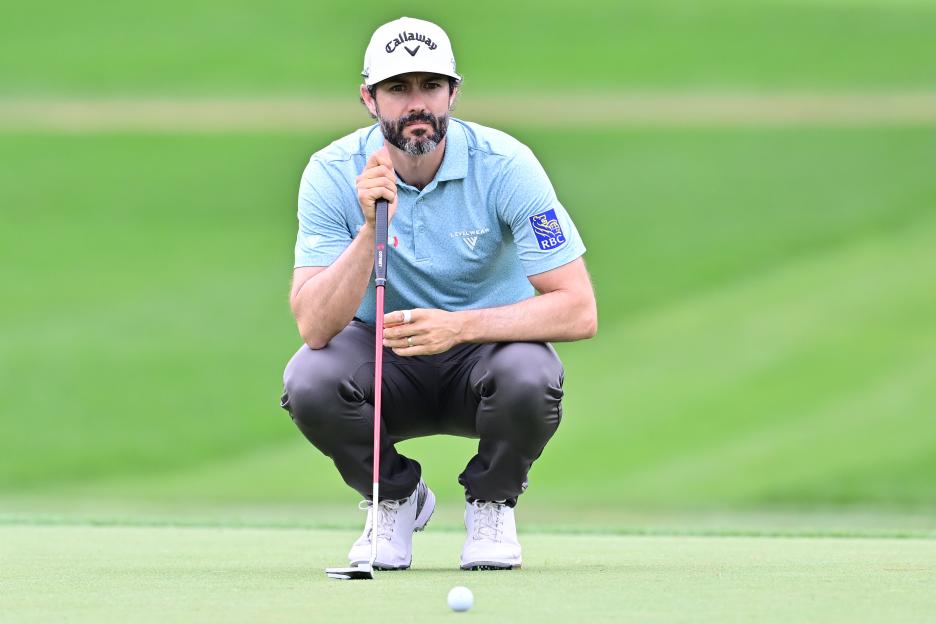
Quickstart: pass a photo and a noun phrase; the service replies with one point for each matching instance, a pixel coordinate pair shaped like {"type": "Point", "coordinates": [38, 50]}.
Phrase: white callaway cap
{"type": "Point", "coordinates": [408, 45]}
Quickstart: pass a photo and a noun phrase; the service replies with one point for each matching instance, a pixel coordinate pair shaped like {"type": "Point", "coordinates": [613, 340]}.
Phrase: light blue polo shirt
{"type": "Point", "coordinates": [468, 240]}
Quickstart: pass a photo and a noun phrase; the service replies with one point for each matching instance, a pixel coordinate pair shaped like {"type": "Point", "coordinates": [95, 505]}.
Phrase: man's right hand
{"type": "Point", "coordinates": [377, 180]}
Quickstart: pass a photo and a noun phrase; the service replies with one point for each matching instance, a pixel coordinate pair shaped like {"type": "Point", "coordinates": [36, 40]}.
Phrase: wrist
{"type": "Point", "coordinates": [466, 324]}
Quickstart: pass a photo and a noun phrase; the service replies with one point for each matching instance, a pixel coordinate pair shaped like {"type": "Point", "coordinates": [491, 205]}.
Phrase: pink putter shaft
{"type": "Point", "coordinates": [378, 378]}
{"type": "Point", "coordinates": [380, 275]}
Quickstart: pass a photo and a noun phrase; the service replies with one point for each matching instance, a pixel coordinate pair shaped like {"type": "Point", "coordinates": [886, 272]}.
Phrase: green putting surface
{"type": "Point", "coordinates": [148, 574]}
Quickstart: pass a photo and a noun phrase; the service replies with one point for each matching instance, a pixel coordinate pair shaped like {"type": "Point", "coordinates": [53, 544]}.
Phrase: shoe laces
{"type": "Point", "coordinates": [386, 517]}
{"type": "Point", "coordinates": [488, 520]}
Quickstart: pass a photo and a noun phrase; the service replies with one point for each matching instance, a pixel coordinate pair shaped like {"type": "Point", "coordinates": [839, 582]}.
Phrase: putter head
{"type": "Point", "coordinates": [362, 571]}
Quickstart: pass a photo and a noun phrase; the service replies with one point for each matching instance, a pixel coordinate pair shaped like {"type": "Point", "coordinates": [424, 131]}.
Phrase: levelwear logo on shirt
{"type": "Point", "coordinates": [547, 229]}
{"type": "Point", "coordinates": [470, 236]}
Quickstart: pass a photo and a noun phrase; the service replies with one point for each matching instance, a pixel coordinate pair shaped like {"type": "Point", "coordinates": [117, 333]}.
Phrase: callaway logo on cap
{"type": "Point", "coordinates": [408, 45]}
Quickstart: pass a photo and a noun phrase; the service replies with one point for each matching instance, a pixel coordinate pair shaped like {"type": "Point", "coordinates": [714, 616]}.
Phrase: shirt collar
{"type": "Point", "coordinates": [454, 162]}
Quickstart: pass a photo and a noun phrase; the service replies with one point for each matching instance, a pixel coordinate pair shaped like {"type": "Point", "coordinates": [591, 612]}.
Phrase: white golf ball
{"type": "Point", "coordinates": [460, 598]}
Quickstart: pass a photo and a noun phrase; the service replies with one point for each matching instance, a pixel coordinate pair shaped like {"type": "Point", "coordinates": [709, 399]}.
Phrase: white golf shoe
{"type": "Point", "coordinates": [491, 543]}
{"type": "Point", "coordinates": [397, 521]}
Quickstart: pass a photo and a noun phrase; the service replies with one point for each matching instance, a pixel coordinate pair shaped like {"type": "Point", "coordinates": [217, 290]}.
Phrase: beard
{"type": "Point", "coordinates": [422, 142]}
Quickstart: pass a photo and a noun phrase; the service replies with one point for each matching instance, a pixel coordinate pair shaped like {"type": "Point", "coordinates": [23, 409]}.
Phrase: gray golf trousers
{"type": "Point", "coordinates": [508, 395]}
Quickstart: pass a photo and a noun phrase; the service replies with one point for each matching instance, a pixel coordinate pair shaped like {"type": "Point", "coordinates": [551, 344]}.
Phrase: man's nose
{"type": "Point", "coordinates": [417, 101]}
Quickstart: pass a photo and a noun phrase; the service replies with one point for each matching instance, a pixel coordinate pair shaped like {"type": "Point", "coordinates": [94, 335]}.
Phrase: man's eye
{"type": "Point", "coordinates": [432, 85]}
{"type": "Point", "coordinates": [396, 88]}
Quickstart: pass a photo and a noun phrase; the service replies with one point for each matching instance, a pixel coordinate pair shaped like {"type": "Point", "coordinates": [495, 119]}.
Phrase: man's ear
{"type": "Point", "coordinates": [369, 102]}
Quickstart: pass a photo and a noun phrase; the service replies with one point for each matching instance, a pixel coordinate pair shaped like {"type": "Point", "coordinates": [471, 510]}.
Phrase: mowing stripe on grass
{"type": "Point", "coordinates": [568, 110]}
{"type": "Point", "coordinates": [38, 521]}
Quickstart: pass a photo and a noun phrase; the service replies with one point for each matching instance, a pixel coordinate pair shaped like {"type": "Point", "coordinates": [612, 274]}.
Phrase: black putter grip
{"type": "Point", "coordinates": [380, 242]}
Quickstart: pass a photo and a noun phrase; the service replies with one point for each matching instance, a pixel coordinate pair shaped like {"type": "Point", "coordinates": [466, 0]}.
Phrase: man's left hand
{"type": "Point", "coordinates": [428, 331]}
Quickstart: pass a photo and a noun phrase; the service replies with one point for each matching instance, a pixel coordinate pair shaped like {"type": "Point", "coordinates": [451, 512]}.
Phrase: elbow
{"type": "Point", "coordinates": [313, 339]}
{"type": "Point", "coordinates": [588, 321]}
{"type": "Point", "coordinates": [581, 320]}
{"type": "Point", "coordinates": [589, 326]}
{"type": "Point", "coordinates": [315, 344]}
{"type": "Point", "coordinates": [314, 329]}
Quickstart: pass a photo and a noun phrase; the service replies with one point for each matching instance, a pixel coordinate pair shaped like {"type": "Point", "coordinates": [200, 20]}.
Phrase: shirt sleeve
{"type": "Point", "coordinates": [543, 232]}
{"type": "Point", "coordinates": [324, 232]}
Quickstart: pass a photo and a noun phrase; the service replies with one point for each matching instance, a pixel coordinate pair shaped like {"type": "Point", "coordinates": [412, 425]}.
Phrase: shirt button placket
{"type": "Point", "coordinates": [420, 243]}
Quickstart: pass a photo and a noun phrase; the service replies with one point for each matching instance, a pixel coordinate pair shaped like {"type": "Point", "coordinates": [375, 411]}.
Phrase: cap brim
{"type": "Point", "coordinates": [372, 80]}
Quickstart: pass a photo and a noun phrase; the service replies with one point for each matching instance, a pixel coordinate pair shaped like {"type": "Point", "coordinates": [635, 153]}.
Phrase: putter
{"type": "Point", "coordinates": [365, 571]}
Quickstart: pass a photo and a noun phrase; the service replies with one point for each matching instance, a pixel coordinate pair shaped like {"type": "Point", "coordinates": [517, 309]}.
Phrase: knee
{"type": "Point", "coordinates": [314, 387]}
{"type": "Point", "coordinates": [526, 372]}
{"type": "Point", "coordinates": [530, 366]}
{"type": "Point", "coordinates": [521, 384]}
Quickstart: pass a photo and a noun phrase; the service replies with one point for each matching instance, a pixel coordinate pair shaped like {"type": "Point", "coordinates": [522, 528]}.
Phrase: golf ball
{"type": "Point", "coordinates": [460, 598]}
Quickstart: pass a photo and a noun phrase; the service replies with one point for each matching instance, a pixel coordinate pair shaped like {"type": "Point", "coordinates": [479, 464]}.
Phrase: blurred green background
{"type": "Point", "coordinates": [767, 342]}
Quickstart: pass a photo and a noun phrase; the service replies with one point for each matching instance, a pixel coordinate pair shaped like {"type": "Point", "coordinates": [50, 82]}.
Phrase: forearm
{"type": "Point", "coordinates": [557, 316]}
{"type": "Point", "coordinates": [326, 303]}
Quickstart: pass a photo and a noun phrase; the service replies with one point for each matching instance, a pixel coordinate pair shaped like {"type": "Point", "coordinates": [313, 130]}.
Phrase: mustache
{"type": "Point", "coordinates": [423, 116]}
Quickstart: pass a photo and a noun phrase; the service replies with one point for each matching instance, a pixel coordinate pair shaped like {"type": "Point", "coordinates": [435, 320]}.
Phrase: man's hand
{"type": "Point", "coordinates": [377, 180]}
{"type": "Point", "coordinates": [428, 331]}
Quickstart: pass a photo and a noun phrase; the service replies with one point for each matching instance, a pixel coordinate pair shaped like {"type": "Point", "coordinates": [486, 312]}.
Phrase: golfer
{"type": "Point", "coordinates": [476, 231]}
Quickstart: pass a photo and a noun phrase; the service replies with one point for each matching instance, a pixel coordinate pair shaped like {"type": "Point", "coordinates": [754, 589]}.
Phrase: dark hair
{"type": "Point", "coordinates": [373, 93]}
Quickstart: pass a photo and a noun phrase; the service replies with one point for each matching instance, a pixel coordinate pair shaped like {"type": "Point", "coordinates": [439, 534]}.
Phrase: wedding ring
{"type": "Point", "coordinates": [409, 340]}
{"type": "Point", "coordinates": [407, 316]}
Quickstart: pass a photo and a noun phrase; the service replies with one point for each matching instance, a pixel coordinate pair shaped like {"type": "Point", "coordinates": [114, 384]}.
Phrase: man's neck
{"type": "Point", "coordinates": [417, 171]}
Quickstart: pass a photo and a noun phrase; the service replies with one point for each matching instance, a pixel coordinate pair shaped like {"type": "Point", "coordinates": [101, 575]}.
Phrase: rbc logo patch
{"type": "Point", "coordinates": [548, 232]}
